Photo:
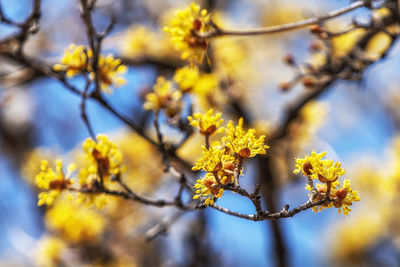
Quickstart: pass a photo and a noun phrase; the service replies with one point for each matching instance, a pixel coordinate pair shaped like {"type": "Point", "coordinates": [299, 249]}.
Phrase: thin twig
{"type": "Point", "coordinates": [285, 27]}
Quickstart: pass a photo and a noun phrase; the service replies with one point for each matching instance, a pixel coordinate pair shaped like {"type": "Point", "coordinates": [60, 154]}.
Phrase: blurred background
{"type": "Point", "coordinates": [356, 122]}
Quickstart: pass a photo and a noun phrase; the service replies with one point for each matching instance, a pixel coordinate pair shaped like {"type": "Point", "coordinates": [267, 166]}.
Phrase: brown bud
{"type": "Point", "coordinates": [245, 152]}
{"type": "Point", "coordinates": [214, 190]}
{"type": "Point", "coordinates": [309, 81]}
{"type": "Point", "coordinates": [104, 165]}
{"type": "Point", "coordinates": [197, 24]}
{"type": "Point", "coordinates": [316, 29]}
{"type": "Point", "coordinates": [307, 167]}
{"type": "Point", "coordinates": [210, 130]}
{"type": "Point", "coordinates": [337, 204]}
{"type": "Point", "coordinates": [192, 41]}
{"type": "Point", "coordinates": [341, 193]}
{"type": "Point", "coordinates": [208, 182]}
{"type": "Point", "coordinates": [229, 166]}
{"type": "Point", "coordinates": [289, 59]}
{"type": "Point", "coordinates": [315, 47]}
{"type": "Point", "coordinates": [59, 184]}
{"type": "Point", "coordinates": [285, 86]}
{"type": "Point", "coordinates": [322, 178]}
{"type": "Point", "coordinates": [218, 167]}
{"type": "Point", "coordinates": [96, 154]}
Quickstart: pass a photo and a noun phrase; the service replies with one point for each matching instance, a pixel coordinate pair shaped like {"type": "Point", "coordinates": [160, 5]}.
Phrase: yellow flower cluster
{"type": "Point", "coordinates": [327, 172]}
{"type": "Point", "coordinates": [101, 161]}
{"type": "Point", "coordinates": [209, 188]}
{"type": "Point", "coordinates": [343, 197]}
{"type": "Point", "coordinates": [208, 124]}
{"type": "Point", "coordinates": [79, 60]}
{"type": "Point", "coordinates": [143, 42]}
{"type": "Point", "coordinates": [53, 181]}
{"type": "Point", "coordinates": [314, 166]}
{"type": "Point", "coordinates": [75, 223]}
{"type": "Point", "coordinates": [222, 161]}
{"type": "Point", "coordinates": [103, 158]}
{"type": "Point", "coordinates": [204, 86]}
{"type": "Point", "coordinates": [243, 143]}
{"type": "Point", "coordinates": [184, 29]}
{"type": "Point", "coordinates": [164, 97]}
{"type": "Point", "coordinates": [74, 61]}
{"type": "Point", "coordinates": [186, 78]}
{"type": "Point", "coordinates": [110, 71]}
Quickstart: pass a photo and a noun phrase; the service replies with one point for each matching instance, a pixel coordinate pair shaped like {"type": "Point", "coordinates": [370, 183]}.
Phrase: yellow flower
{"type": "Point", "coordinates": [243, 143]}
{"type": "Point", "coordinates": [110, 71]}
{"type": "Point", "coordinates": [207, 123]}
{"type": "Point", "coordinates": [186, 78]}
{"type": "Point", "coordinates": [209, 188]}
{"type": "Point", "coordinates": [164, 97]}
{"type": "Point", "coordinates": [74, 61]}
{"type": "Point", "coordinates": [213, 160]}
{"type": "Point", "coordinates": [138, 40]}
{"type": "Point", "coordinates": [316, 167]}
{"type": "Point", "coordinates": [343, 197]}
{"type": "Point", "coordinates": [79, 59]}
{"type": "Point", "coordinates": [53, 181]}
{"type": "Point", "coordinates": [102, 158]}
{"type": "Point", "coordinates": [49, 251]}
{"type": "Point", "coordinates": [75, 223]}
{"type": "Point", "coordinates": [183, 28]}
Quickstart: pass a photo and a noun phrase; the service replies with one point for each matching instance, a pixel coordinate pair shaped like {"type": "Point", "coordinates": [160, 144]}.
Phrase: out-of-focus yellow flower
{"type": "Point", "coordinates": [186, 78]}
{"type": "Point", "coordinates": [75, 223]}
{"type": "Point", "coordinates": [53, 181]}
{"type": "Point", "coordinates": [183, 28]}
{"type": "Point", "coordinates": [378, 45]}
{"type": "Point", "coordinates": [102, 158]}
{"type": "Point", "coordinates": [209, 188]}
{"type": "Point", "coordinates": [316, 167]}
{"type": "Point", "coordinates": [207, 123]}
{"type": "Point", "coordinates": [243, 143]}
{"type": "Point", "coordinates": [49, 251]}
{"type": "Point", "coordinates": [342, 44]}
{"type": "Point", "coordinates": [110, 71]}
{"type": "Point", "coordinates": [75, 60]}
{"type": "Point", "coordinates": [312, 116]}
{"type": "Point", "coordinates": [139, 41]}
{"type": "Point", "coordinates": [164, 97]}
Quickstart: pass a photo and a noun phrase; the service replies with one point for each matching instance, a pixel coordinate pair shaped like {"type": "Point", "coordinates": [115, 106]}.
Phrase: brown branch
{"type": "Point", "coordinates": [285, 27]}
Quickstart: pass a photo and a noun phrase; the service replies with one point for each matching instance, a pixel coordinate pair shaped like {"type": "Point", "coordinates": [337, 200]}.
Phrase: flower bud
{"type": "Point", "coordinates": [307, 167]}
{"type": "Point", "coordinates": [245, 152]}
{"type": "Point", "coordinates": [341, 193]}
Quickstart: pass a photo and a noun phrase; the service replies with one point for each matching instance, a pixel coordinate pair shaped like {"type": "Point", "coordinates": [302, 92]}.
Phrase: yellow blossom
{"type": "Point", "coordinates": [75, 60]}
{"type": "Point", "coordinates": [186, 78]}
{"type": "Point", "coordinates": [343, 197]}
{"type": "Point", "coordinates": [49, 251]}
{"type": "Point", "coordinates": [102, 158]}
{"type": "Point", "coordinates": [183, 28]}
{"type": "Point", "coordinates": [164, 97]}
{"type": "Point", "coordinates": [316, 167]}
{"type": "Point", "coordinates": [214, 160]}
{"type": "Point", "coordinates": [53, 181]}
{"type": "Point", "coordinates": [243, 143]}
{"type": "Point", "coordinates": [138, 40]}
{"type": "Point", "coordinates": [75, 223]}
{"type": "Point", "coordinates": [79, 59]}
{"type": "Point", "coordinates": [207, 123]}
{"type": "Point", "coordinates": [209, 188]}
{"type": "Point", "coordinates": [110, 71]}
